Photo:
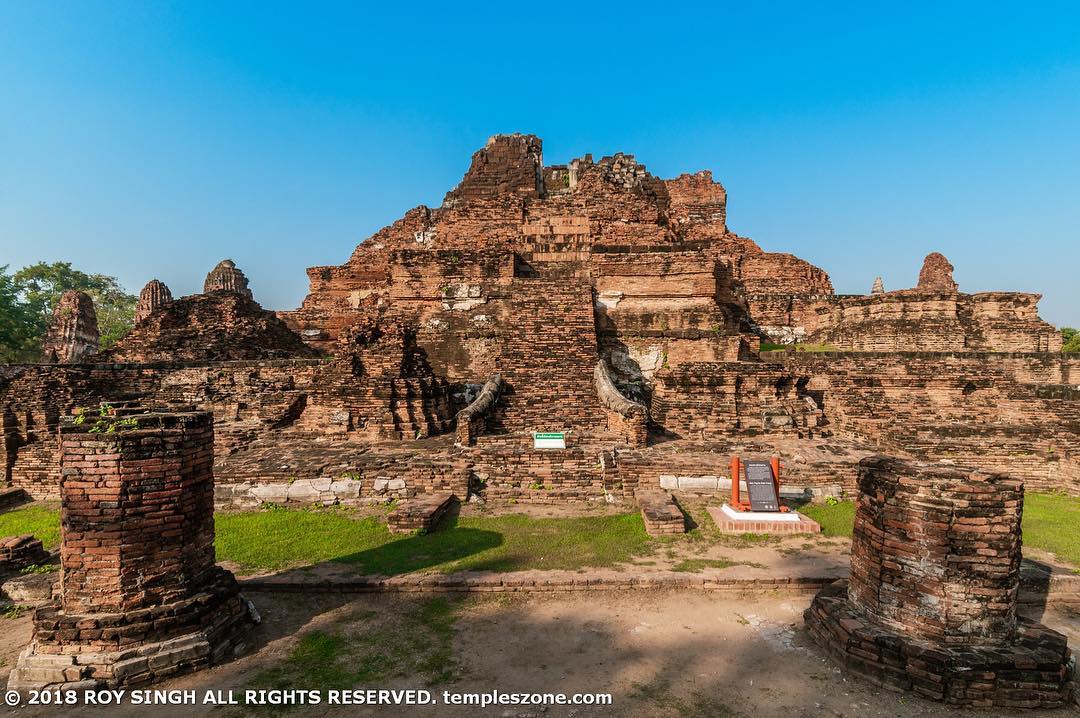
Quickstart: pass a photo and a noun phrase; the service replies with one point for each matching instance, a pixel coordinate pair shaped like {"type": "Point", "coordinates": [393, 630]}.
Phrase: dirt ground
{"type": "Point", "coordinates": [659, 653]}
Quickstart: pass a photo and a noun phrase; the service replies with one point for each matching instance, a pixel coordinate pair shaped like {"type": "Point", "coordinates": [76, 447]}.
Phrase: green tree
{"type": "Point", "coordinates": [1072, 339]}
{"type": "Point", "coordinates": [40, 285]}
{"type": "Point", "coordinates": [18, 323]}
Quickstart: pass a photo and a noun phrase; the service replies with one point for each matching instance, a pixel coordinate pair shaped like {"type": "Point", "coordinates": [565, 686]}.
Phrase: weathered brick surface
{"type": "Point", "coordinates": [73, 333]}
{"type": "Point", "coordinates": [714, 399]}
{"type": "Point", "coordinates": [931, 601]}
{"type": "Point", "coordinates": [155, 294]}
{"type": "Point", "coordinates": [936, 274]}
{"type": "Point", "coordinates": [18, 552]}
{"type": "Point", "coordinates": [936, 551]}
{"type": "Point", "coordinates": [547, 361]}
{"type": "Point", "coordinates": [221, 326]}
{"type": "Point", "coordinates": [140, 595]}
{"type": "Point", "coordinates": [226, 277]}
{"type": "Point", "coordinates": [421, 514]}
{"type": "Point", "coordinates": [137, 511]}
{"type": "Point", "coordinates": [660, 513]}
{"type": "Point", "coordinates": [1031, 671]}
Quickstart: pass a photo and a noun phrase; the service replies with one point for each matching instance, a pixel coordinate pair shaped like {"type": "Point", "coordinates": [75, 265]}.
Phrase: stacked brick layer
{"type": "Point", "coordinates": [137, 511]}
{"type": "Point", "coordinates": [140, 595]}
{"type": "Point", "coordinates": [18, 552]}
{"type": "Point", "coordinates": [421, 514]}
{"type": "Point", "coordinates": [548, 359]}
{"type": "Point", "coordinates": [936, 551]}
{"type": "Point", "coordinates": [660, 513]}
{"type": "Point", "coordinates": [930, 605]}
{"type": "Point", "coordinates": [1032, 671]}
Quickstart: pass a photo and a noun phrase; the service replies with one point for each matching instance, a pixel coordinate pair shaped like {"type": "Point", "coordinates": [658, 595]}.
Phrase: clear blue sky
{"type": "Point", "coordinates": [152, 139]}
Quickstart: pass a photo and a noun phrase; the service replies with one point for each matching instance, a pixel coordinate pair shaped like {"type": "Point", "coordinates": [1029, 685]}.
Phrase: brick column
{"type": "Point", "coordinates": [930, 605]}
{"type": "Point", "coordinates": [936, 551]}
{"type": "Point", "coordinates": [137, 517]}
{"type": "Point", "coordinates": [141, 597]}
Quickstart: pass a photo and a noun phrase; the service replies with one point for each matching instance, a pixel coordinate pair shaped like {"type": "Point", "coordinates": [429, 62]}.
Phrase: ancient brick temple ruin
{"type": "Point", "coordinates": [590, 298]}
{"type": "Point", "coordinates": [931, 602]}
{"type": "Point", "coordinates": [73, 334]}
{"type": "Point", "coordinates": [140, 595]}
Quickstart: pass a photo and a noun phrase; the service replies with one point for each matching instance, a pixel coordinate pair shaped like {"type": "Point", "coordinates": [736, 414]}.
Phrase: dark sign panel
{"type": "Point", "coordinates": [761, 486]}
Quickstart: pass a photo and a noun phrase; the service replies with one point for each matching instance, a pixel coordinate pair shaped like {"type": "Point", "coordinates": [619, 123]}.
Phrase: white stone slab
{"type": "Point", "coordinates": [778, 516]}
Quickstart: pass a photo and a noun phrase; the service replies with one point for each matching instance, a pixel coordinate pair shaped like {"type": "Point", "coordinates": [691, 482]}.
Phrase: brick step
{"type": "Point", "coordinates": [420, 514]}
{"type": "Point", "coordinates": [660, 513]}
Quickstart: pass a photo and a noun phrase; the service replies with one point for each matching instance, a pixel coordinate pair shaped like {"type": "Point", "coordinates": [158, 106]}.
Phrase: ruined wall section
{"type": "Point", "coordinates": [968, 407]}
{"type": "Point", "coordinates": [918, 320]}
{"type": "Point", "coordinates": [223, 326]}
{"type": "Point", "coordinates": [547, 360]}
{"type": "Point", "coordinates": [508, 201]}
{"type": "Point", "coordinates": [707, 401]}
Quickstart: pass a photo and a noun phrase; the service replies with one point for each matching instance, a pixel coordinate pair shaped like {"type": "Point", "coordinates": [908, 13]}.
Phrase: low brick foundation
{"type": "Point", "coordinates": [135, 647]}
{"type": "Point", "coordinates": [421, 514]}
{"type": "Point", "coordinates": [931, 601]}
{"type": "Point", "coordinates": [1032, 671]}
{"type": "Point", "coordinates": [18, 552]}
{"type": "Point", "coordinates": [660, 513]}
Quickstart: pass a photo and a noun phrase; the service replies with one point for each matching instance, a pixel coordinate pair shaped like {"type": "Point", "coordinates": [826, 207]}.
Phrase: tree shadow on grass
{"type": "Point", "coordinates": [446, 544]}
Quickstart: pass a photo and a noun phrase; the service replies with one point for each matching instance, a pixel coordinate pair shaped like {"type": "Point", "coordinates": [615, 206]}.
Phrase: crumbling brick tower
{"type": "Point", "coordinates": [931, 602]}
{"type": "Point", "coordinates": [141, 597]}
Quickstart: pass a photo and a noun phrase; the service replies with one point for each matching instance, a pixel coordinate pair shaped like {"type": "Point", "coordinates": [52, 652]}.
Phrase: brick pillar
{"type": "Point", "coordinates": [140, 596]}
{"type": "Point", "coordinates": [137, 517]}
{"type": "Point", "coordinates": [936, 551]}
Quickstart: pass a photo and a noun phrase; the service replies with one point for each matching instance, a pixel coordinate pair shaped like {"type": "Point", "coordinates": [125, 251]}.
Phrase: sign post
{"type": "Point", "coordinates": [549, 440]}
{"type": "Point", "coordinates": [761, 485]}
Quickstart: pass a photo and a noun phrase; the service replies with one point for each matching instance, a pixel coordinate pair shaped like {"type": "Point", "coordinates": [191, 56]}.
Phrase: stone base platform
{"type": "Point", "coordinates": [730, 521]}
{"type": "Point", "coordinates": [660, 514]}
{"type": "Point", "coordinates": [420, 514]}
{"type": "Point", "coordinates": [1031, 672]}
{"type": "Point", "coordinates": [137, 647]}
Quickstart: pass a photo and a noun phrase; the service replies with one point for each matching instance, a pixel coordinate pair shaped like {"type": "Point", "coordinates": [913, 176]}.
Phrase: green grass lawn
{"type": "Point", "coordinates": [836, 520]}
{"type": "Point", "coordinates": [41, 521]}
{"type": "Point", "coordinates": [282, 538]}
{"type": "Point", "coordinates": [1051, 523]}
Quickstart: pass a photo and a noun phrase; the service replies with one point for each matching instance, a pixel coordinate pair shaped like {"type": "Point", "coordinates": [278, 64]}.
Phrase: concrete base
{"type": "Point", "coordinates": [728, 520]}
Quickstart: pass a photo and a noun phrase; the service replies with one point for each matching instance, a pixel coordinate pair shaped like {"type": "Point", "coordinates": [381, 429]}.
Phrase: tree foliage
{"type": "Point", "coordinates": [1072, 339]}
{"type": "Point", "coordinates": [28, 297]}
{"type": "Point", "coordinates": [17, 321]}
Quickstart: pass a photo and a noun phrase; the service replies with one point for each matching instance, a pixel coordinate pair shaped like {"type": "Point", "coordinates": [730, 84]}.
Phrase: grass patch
{"type": "Point", "coordinates": [696, 565]}
{"type": "Point", "coordinates": [1051, 522]}
{"type": "Point", "coordinates": [367, 648]}
{"type": "Point", "coordinates": [41, 521]}
{"type": "Point", "coordinates": [280, 538]}
{"type": "Point", "coordinates": [836, 519]}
